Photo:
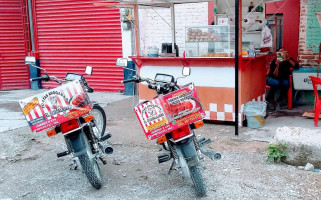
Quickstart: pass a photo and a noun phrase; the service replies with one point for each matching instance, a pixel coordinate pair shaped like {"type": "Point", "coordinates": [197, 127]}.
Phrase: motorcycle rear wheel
{"type": "Point", "coordinates": [198, 180]}
{"type": "Point", "coordinates": [92, 170]}
{"type": "Point", "coordinates": [100, 119]}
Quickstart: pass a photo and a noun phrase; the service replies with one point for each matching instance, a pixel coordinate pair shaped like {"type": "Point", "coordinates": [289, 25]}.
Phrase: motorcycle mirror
{"type": "Point", "coordinates": [30, 60]}
{"type": "Point", "coordinates": [89, 70]}
{"type": "Point", "coordinates": [186, 71]}
{"type": "Point", "coordinates": [122, 62]}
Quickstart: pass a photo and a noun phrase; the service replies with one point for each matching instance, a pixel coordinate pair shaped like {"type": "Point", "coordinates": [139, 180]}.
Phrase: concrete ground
{"type": "Point", "coordinates": [31, 170]}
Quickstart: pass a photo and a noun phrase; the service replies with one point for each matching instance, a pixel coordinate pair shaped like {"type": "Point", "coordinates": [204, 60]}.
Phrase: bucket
{"type": "Point", "coordinates": [255, 112]}
{"type": "Point", "coordinates": [152, 51]}
{"type": "Point", "coordinates": [255, 121]}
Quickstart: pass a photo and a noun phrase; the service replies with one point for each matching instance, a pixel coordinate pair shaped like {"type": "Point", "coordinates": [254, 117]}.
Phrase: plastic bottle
{"type": "Point", "coordinates": [251, 52]}
{"type": "Point", "coordinates": [259, 9]}
{"type": "Point", "coordinates": [251, 6]}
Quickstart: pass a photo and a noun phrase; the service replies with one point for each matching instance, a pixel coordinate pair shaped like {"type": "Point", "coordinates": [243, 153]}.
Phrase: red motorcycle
{"type": "Point", "coordinates": [171, 118]}
{"type": "Point", "coordinates": [67, 109]}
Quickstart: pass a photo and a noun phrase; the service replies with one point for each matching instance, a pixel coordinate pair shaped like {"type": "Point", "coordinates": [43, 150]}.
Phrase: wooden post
{"type": "Point", "coordinates": [137, 40]}
{"type": "Point", "coordinates": [173, 28]}
{"type": "Point", "coordinates": [275, 34]}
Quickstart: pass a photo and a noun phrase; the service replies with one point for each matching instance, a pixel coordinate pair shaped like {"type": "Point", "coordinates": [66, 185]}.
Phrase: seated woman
{"type": "Point", "coordinates": [278, 79]}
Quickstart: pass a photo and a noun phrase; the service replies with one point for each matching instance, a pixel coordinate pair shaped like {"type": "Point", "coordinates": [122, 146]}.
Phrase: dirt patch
{"type": "Point", "coordinates": [12, 106]}
{"type": "Point", "coordinates": [238, 145]}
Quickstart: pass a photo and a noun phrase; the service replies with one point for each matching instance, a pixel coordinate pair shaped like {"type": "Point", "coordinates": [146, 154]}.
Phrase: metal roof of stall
{"type": "Point", "coordinates": [168, 3]}
{"type": "Point", "coordinates": [159, 3]}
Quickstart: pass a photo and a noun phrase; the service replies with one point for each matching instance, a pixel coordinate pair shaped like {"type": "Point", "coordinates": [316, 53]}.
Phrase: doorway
{"type": "Point", "coordinates": [276, 27]}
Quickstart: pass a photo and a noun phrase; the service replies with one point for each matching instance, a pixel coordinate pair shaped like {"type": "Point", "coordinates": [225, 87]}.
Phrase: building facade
{"type": "Point", "coordinates": [66, 36]}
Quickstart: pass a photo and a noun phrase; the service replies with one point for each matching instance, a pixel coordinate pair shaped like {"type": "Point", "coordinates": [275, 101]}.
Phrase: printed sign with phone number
{"type": "Point", "coordinates": [169, 112]}
{"type": "Point", "coordinates": [55, 106]}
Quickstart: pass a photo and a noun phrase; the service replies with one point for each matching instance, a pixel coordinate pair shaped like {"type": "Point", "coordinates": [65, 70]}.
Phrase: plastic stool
{"type": "Point", "coordinates": [317, 106]}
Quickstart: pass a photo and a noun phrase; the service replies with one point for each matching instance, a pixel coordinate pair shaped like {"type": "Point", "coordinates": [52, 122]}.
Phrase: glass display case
{"type": "Point", "coordinates": [210, 41]}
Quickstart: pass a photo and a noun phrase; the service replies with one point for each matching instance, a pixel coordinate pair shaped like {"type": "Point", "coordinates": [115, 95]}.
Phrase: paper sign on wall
{"type": "Point", "coordinates": [222, 21]}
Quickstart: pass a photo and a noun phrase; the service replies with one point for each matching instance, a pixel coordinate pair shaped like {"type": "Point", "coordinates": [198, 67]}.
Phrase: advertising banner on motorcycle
{"type": "Point", "coordinates": [169, 112]}
{"type": "Point", "coordinates": [53, 107]}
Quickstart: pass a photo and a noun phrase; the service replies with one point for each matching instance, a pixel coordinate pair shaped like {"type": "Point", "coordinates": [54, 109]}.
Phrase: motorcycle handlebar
{"type": "Point", "coordinates": [89, 89]}
{"type": "Point", "coordinates": [128, 80]}
{"type": "Point", "coordinates": [36, 79]}
{"type": "Point", "coordinates": [151, 84]}
{"type": "Point", "coordinates": [42, 78]}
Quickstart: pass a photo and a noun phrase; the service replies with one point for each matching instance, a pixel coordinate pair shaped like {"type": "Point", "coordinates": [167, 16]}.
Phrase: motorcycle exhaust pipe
{"type": "Point", "coordinates": [107, 149]}
{"type": "Point", "coordinates": [211, 154]}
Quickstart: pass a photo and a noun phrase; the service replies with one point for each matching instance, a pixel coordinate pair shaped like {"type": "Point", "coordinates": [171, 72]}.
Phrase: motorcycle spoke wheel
{"type": "Point", "coordinates": [100, 119]}
{"type": "Point", "coordinates": [92, 170]}
{"type": "Point", "coordinates": [90, 166]}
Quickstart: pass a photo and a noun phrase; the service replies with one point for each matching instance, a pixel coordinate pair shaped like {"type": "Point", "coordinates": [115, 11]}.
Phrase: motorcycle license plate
{"type": "Point", "coordinates": [53, 107]}
{"type": "Point", "coordinates": [169, 112]}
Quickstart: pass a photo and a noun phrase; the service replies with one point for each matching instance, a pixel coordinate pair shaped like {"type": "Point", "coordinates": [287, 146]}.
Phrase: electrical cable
{"type": "Point", "coordinates": [230, 7]}
{"type": "Point", "coordinates": [161, 17]}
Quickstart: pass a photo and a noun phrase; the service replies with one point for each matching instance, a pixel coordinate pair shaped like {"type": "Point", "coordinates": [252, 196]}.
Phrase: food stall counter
{"type": "Point", "coordinates": [214, 79]}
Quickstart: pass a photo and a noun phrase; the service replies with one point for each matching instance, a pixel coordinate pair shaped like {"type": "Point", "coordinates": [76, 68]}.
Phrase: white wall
{"type": "Point", "coordinates": [228, 8]}
{"type": "Point", "coordinates": [154, 31]}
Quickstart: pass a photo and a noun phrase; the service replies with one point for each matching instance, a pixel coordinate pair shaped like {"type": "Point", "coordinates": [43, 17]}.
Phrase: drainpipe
{"type": "Point", "coordinates": [34, 72]}
{"type": "Point", "coordinates": [31, 26]}
{"type": "Point", "coordinates": [128, 44]}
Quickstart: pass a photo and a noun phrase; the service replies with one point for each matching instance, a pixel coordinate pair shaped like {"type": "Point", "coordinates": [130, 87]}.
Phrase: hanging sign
{"type": "Point", "coordinates": [266, 37]}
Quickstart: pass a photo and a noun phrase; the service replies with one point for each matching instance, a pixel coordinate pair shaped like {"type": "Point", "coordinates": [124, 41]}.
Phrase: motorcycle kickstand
{"type": "Point", "coordinates": [74, 166]}
{"type": "Point", "coordinates": [103, 160]}
{"type": "Point", "coordinates": [172, 167]}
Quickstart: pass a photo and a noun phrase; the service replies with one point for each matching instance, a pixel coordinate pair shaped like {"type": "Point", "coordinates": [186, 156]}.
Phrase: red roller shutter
{"type": "Point", "coordinates": [72, 34]}
{"type": "Point", "coordinates": [14, 74]}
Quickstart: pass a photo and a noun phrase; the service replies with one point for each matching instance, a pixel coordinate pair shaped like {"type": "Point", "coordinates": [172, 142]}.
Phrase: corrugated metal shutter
{"type": "Point", "coordinates": [73, 34]}
{"type": "Point", "coordinates": [14, 74]}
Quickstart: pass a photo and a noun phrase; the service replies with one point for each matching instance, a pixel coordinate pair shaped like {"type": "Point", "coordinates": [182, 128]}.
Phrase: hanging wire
{"type": "Point", "coordinates": [161, 17]}
{"type": "Point", "coordinates": [277, 10]}
{"type": "Point", "coordinates": [230, 7]}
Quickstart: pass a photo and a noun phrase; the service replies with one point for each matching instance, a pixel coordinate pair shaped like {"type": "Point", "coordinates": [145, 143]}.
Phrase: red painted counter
{"type": "Point", "coordinates": [214, 79]}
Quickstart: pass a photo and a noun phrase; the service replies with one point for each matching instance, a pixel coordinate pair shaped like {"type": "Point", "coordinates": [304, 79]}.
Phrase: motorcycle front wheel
{"type": "Point", "coordinates": [100, 119]}
{"type": "Point", "coordinates": [198, 180]}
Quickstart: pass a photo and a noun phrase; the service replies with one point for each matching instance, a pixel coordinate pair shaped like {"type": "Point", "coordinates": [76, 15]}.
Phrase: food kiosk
{"type": "Point", "coordinates": [225, 80]}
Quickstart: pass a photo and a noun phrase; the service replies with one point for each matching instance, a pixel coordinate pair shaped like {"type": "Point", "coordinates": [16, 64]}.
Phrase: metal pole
{"type": "Point", "coordinates": [237, 55]}
{"type": "Point", "coordinates": [137, 38]}
{"type": "Point", "coordinates": [31, 26]}
{"type": "Point", "coordinates": [173, 28]}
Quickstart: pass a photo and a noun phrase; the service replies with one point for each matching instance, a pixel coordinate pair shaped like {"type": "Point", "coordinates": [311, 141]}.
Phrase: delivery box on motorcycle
{"type": "Point", "coordinates": [169, 112]}
{"type": "Point", "coordinates": [55, 106]}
